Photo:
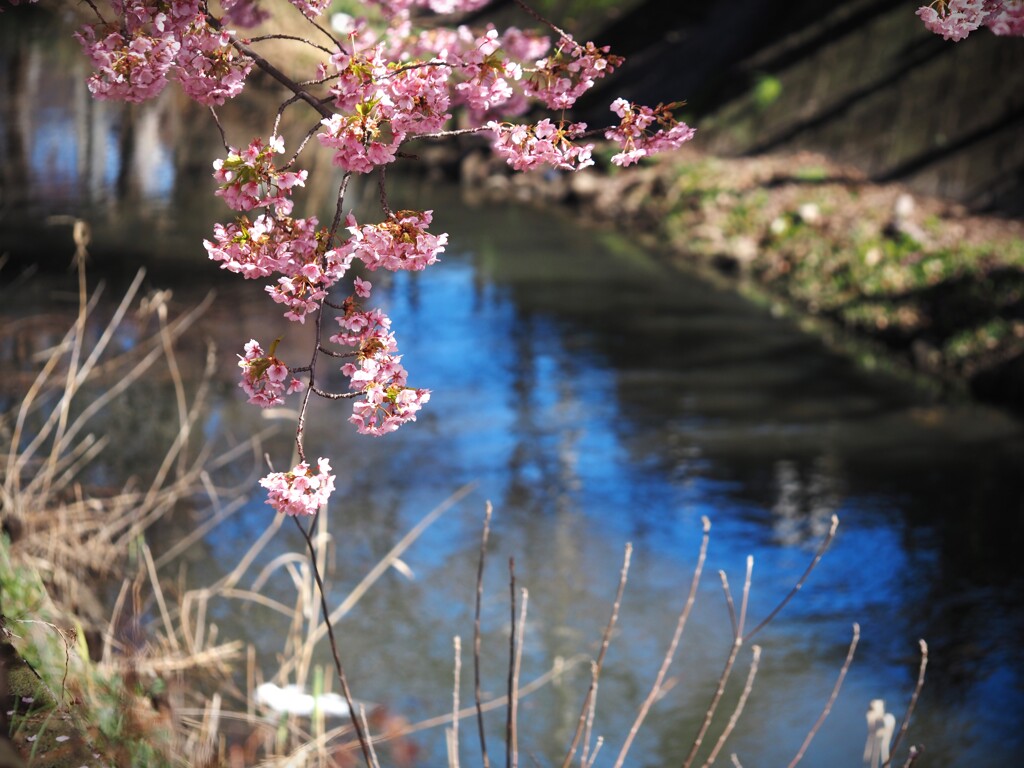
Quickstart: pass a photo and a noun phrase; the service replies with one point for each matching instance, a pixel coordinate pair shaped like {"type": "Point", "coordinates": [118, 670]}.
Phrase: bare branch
{"type": "Point", "coordinates": [800, 583]}
{"type": "Point", "coordinates": [747, 688]}
{"type": "Point", "coordinates": [453, 752]}
{"type": "Point", "coordinates": [338, 668]}
{"type": "Point", "coordinates": [666, 662]}
{"type": "Point", "coordinates": [510, 716]}
{"type": "Point", "coordinates": [589, 699]}
{"type": "Point", "coordinates": [476, 633]}
{"type": "Point", "coordinates": [831, 699]}
{"type": "Point", "coordinates": [913, 702]}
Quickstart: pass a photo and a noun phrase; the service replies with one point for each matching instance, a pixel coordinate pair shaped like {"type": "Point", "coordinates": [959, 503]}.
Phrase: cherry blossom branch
{"type": "Point", "coordinates": [96, 10]}
{"type": "Point", "coordinates": [301, 422]}
{"type": "Point", "coordinates": [381, 186]}
{"type": "Point", "coordinates": [220, 128]}
{"type": "Point", "coordinates": [280, 76]}
{"type": "Point", "coordinates": [282, 36]}
{"type": "Point", "coordinates": [333, 395]}
{"type": "Point", "coordinates": [332, 641]}
{"type": "Point", "coordinates": [531, 12]}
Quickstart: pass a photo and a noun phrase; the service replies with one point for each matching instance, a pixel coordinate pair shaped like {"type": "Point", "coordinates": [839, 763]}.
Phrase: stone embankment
{"type": "Point", "coordinates": [940, 289]}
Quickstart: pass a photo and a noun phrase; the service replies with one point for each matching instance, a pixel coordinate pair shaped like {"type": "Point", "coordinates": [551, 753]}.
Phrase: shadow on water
{"type": "Point", "coordinates": [597, 397]}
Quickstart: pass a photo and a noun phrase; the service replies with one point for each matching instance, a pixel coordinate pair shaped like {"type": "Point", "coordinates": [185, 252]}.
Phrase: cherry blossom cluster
{"type": "Point", "coordinates": [128, 68]}
{"type": "Point", "coordinates": [244, 13]}
{"type": "Point", "coordinates": [375, 90]}
{"type": "Point", "coordinates": [265, 378]}
{"type": "Point", "coordinates": [377, 372]}
{"type": "Point", "coordinates": [956, 19]}
{"type": "Point", "coordinates": [311, 9]}
{"type": "Point", "coordinates": [300, 491]}
{"type": "Point", "coordinates": [248, 178]}
{"type": "Point", "coordinates": [150, 42]}
{"type": "Point", "coordinates": [634, 136]}
{"type": "Point", "coordinates": [385, 105]}
{"type": "Point", "coordinates": [529, 146]}
{"type": "Point", "coordinates": [398, 7]}
{"type": "Point", "coordinates": [569, 72]}
{"type": "Point", "coordinates": [489, 76]}
{"type": "Point", "coordinates": [399, 242]}
{"type": "Point", "coordinates": [210, 69]}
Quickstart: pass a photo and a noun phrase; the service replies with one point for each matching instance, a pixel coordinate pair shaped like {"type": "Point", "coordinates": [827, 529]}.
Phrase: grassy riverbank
{"type": "Point", "coordinates": [940, 289]}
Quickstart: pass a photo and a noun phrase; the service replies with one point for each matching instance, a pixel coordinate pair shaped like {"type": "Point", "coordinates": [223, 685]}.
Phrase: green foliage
{"type": "Point", "coordinates": [766, 91]}
{"type": "Point", "coordinates": [972, 343]}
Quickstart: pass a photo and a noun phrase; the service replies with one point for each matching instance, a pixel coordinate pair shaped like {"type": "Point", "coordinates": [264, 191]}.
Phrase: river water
{"type": "Point", "coordinates": [595, 397]}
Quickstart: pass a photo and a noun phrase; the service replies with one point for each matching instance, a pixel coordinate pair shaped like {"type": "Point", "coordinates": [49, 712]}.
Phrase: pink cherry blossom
{"type": "Point", "coordinates": [210, 70]}
{"type": "Point", "coordinates": [132, 68]}
{"type": "Point", "coordinates": [386, 409]}
{"type": "Point", "coordinates": [264, 377]}
{"type": "Point", "coordinates": [634, 134]}
{"type": "Point", "coordinates": [311, 9]}
{"type": "Point", "coordinates": [1006, 18]}
{"type": "Point", "coordinates": [530, 146]}
{"type": "Point", "coordinates": [244, 13]}
{"type": "Point", "coordinates": [248, 179]}
{"type": "Point", "coordinates": [958, 18]}
{"type": "Point", "coordinates": [300, 491]}
{"type": "Point", "coordinates": [561, 78]}
{"type": "Point", "coordinates": [361, 141]}
{"type": "Point", "coordinates": [362, 288]}
{"type": "Point", "coordinates": [377, 371]}
{"type": "Point", "coordinates": [399, 243]}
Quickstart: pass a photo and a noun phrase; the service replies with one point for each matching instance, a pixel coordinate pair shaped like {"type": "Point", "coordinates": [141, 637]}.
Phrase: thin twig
{"type": "Point", "coordinates": [800, 583]}
{"type": "Point", "coordinates": [342, 679]}
{"type": "Point", "coordinates": [723, 679]}
{"type": "Point", "coordinates": [373, 754]}
{"type": "Point", "coordinates": [476, 634]}
{"type": "Point", "coordinates": [746, 595]}
{"type": "Point", "coordinates": [282, 36]}
{"type": "Point", "coordinates": [357, 592]}
{"type": "Point", "coordinates": [281, 77]}
{"type": "Point", "coordinates": [223, 135]}
{"type": "Point", "coordinates": [913, 702]}
{"type": "Point", "coordinates": [831, 699]}
{"type": "Point", "coordinates": [590, 711]}
{"type": "Point", "coordinates": [666, 661]}
{"type": "Point", "coordinates": [529, 11]}
{"type": "Point", "coordinates": [747, 688]}
{"type": "Point", "coordinates": [588, 700]}
{"type": "Point", "coordinates": [382, 187]}
{"type": "Point", "coordinates": [915, 752]}
{"type": "Point", "coordinates": [453, 751]}
{"type": "Point", "coordinates": [525, 595]}
{"type": "Point", "coordinates": [510, 716]}
{"type": "Point", "coordinates": [333, 395]}
{"type": "Point", "coordinates": [454, 754]}
{"type": "Point", "coordinates": [729, 603]}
